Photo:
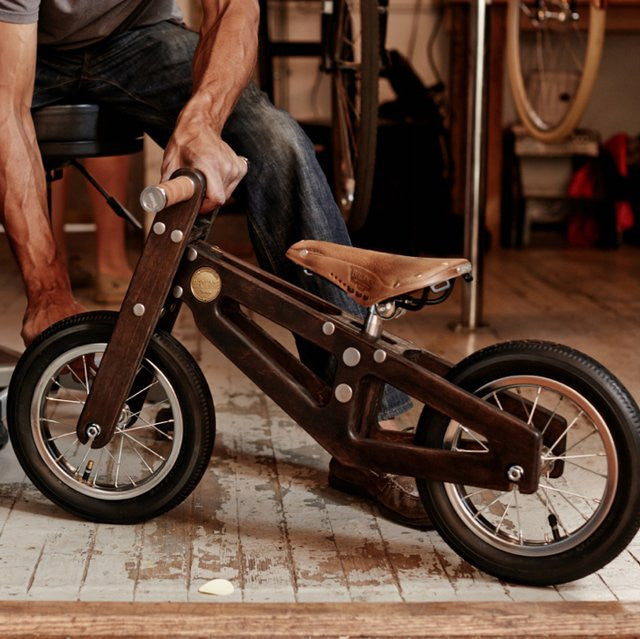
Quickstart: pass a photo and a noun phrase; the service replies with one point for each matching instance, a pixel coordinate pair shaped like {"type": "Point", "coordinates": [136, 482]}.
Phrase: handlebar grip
{"type": "Point", "coordinates": [155, 198]}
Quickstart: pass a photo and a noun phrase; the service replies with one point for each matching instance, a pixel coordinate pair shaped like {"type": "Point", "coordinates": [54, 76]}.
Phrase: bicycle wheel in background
{"type": "Point", "coordinates": [354, 69]}
{"type": "Point", "coordinates": [553, 53]}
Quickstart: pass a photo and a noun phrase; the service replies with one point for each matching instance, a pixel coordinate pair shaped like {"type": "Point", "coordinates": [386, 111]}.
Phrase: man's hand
{"type": "Point", "coordinates": [222, 66]}
{"type": "Point", "coordinates": [195, 144]}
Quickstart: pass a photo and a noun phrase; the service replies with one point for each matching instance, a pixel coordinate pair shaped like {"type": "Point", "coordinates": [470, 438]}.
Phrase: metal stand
{"type": "Point", "coordinates": [475, 174]}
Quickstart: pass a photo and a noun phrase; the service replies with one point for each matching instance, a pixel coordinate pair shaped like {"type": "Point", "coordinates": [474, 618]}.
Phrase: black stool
{"type": "Point", "coordinates": [67, 133]}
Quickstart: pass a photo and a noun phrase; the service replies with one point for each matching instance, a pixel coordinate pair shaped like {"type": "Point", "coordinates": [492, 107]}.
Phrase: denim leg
{"type": "Point", "coordinates": [146, 75]}
{"type": "Point", "coordinates": [287, 199]}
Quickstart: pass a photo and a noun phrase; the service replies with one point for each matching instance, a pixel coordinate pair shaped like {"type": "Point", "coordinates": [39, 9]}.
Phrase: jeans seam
{"type": "Point", "coordinates": [118, 86]}
{"type": "Point", "coordinates": [51, 87]}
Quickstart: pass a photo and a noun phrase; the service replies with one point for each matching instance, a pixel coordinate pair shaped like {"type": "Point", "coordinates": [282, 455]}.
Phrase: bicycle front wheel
{"type": "Point", "coordinates": [553, 54]}
{"type": "Point", "coordinates": [355, 67]}
{"type": "Point", "coordinates": [162, 442]}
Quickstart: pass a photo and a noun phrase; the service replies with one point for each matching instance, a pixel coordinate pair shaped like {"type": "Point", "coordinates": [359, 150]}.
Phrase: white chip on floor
{"type": "Point", "coordinates": [217, 587]}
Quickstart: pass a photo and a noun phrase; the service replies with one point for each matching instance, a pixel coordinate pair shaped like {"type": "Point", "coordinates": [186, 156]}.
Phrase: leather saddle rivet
{"type": "Point", "coordinates": [304, 253]}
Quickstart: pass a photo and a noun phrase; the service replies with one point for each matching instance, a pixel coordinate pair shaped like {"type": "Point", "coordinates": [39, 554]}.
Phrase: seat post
{"type": "Point", "coordinates": [375, 316]}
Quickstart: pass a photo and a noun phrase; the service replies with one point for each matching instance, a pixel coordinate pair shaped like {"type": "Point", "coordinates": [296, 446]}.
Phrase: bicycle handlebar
{"type": "Point", "coordinates": [154, 199]}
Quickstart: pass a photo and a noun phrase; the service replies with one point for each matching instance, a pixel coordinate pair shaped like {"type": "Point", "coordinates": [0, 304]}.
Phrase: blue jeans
{"type": "Point", "coordinates": [146, 75]}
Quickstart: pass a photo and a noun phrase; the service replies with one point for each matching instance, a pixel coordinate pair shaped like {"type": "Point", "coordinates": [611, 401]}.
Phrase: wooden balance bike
{"type": "Point", "coordinates": [526, 454]}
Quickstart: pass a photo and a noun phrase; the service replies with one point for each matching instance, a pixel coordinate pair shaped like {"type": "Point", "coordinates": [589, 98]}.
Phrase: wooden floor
{"type": "Point", "coordinates": [264, 518]}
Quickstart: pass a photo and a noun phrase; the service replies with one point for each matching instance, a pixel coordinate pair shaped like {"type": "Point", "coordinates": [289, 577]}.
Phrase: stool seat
{"type": "Point", "coordinates": [73, 131]}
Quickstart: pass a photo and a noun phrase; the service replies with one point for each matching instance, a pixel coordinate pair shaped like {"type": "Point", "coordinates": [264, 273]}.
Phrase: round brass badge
{"type": "Point", "coordinates": [206, 284]}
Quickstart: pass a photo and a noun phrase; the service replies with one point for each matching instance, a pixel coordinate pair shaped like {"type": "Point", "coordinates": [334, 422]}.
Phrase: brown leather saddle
{"type": "Point", "coordinates": [370, 277]}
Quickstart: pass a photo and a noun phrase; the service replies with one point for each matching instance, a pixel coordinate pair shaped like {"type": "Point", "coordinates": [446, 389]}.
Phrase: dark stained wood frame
{"type": "Point", "coordinates": [497, 620]}
{"type": "Point", "coordinates": [347, 430]}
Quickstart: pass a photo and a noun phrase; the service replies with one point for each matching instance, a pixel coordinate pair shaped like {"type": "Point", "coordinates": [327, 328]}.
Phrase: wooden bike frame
{"type": "Point", "coordinates": [224, 292]}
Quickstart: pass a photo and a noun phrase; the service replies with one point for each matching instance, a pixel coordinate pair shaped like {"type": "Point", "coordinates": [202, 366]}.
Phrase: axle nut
{"type": "Point", "coordinates": [515, 474]}
{"type": "Point", "coordinates": [93, 430]}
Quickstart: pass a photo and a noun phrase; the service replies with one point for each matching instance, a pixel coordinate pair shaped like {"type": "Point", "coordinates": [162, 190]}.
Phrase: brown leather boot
{"type": "Point", "coordinates": [396, 496]}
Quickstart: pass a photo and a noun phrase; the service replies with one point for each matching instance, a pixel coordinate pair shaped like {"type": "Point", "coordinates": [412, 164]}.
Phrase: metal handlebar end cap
{"type": "Point", "coordinates": [153, 199]}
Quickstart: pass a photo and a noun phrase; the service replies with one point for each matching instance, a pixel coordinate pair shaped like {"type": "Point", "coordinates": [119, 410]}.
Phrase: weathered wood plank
{"type": "Point", "coordinates": [266, 553]}
{"type": "Point", "coordinates": [216, 548]}
{"type": "Point", "coordinates": [495, 619]}
{"type": "Point", "coordinates": [302, 469]}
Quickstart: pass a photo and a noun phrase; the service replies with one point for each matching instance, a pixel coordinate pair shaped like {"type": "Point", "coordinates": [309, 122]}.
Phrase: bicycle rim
{"type": "Point", "coordinates": [569, 505]}
{"type": "Point", "coordinates": [146, 442]}
{"type": "Point", "coordinates": [355, 70]}
{"type": "Point", "coordinates": [553, 54]}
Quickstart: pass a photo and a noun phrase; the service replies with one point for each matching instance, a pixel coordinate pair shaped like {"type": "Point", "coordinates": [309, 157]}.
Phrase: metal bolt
{"type": "Point", "coordinates": [386, 310]}
{"type": "Point", "coordinates": [515, 474]}
{"type": "Point", "coordinates": [93, 430]}
{"type": "Point", "coordinates": [379, 356]}
{"type": "Point", "coordinates": [177, 291]}
{"type": "Point", "coordinates": [191, 254]}
{"type": "Point", "coordinates": [177, 235]}
{"type": "Point", "coordinates": [343, 393]}
{"type": "Point", "coordinates": [328, 328]}
{"type": "Point", "coordinates": [351, 356]}
{"type": "Point", "coordinates": [139, 309]}
{"type": "Point", "coordinates": [159, 228]}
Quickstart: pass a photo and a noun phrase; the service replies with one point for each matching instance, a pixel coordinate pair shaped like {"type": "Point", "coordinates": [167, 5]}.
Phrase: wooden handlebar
{"type": "Point", "coordinates": [155, 198]}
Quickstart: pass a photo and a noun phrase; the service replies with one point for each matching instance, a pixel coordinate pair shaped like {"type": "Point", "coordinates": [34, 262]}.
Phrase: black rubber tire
{"type": "Point", "coordinates": [622, 418]}
{"type": "Point", "coordinates": [195, 404]}
{"type": "Point", "coordinates": [362, 149]}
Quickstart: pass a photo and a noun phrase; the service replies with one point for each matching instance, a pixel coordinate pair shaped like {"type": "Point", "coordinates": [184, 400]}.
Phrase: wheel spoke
{"type": "Point", "coordinates": [535, 404]}
{"type": "Point", "coordinates": [566, 430]}
{"type": "Point", "coordinates": [139, 443]}
{"type": "Point", "coordinates": [589, 470]}
{"type": "Point", "coordinates": [566, 457]}
{"type": "Point", "coordinates": [142, 390]}
{"type": "Point", "coordinates": [571, 493]}
{"type": "Point", "coordinates": [473, 436]}
{"type": "Point", "coordinates": [504, 514]}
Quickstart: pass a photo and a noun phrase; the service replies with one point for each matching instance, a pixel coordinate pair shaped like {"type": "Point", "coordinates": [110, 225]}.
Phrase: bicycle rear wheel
{"type": "Point", "coordinates": [587, 505]}
{"type": "Point", "coordinates": [553, 53]}
{"type": "Point", "coordinates": [355, 66]}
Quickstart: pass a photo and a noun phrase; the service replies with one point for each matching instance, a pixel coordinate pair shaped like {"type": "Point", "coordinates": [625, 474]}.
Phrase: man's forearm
{"type": "Point", "coordinates": [24, 210]}
{"type": "Point", "coordinates": [225, 57]}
